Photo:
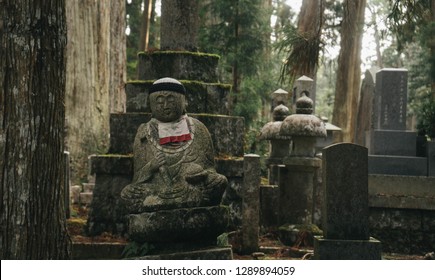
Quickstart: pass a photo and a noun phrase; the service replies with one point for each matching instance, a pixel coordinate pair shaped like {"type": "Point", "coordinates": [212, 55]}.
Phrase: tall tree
{"type": "Point", "coordinates": [32, 85]}
{"type": "Point", "coordinates": [349, 69]}
{"type": "Point", "coordinates": [96, 74]}
{"type": "Point", "coordinates": [235, 30]}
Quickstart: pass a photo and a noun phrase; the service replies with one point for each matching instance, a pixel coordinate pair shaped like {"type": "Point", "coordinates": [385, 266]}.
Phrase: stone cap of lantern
{"type": "Point", "coordinates": [303, 123]}
{"type": "Point", "coordinates": [270, 131]}
{"type": "Point", "coordinates": [304, 79]}
{"type": "Point", "coordinates": [330, 126]}
{"type": "Point", "coordinates": [279, 96]}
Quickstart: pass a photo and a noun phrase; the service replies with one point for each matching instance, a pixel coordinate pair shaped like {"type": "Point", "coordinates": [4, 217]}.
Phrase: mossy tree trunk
{"type": "Point", "coordinates": [32, 85]}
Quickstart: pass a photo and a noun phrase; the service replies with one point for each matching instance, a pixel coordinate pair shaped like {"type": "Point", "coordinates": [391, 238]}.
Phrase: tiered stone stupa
{"type": "Point", "coordinates": [206, 100]}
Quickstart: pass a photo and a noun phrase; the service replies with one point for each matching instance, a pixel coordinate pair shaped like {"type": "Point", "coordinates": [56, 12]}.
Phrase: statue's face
{"type": "Point", "coordinates": [167, 106]}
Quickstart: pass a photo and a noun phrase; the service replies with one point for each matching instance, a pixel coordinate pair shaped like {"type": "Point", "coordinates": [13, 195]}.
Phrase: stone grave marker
{"type": "Point", "coordinates": [345, 206]}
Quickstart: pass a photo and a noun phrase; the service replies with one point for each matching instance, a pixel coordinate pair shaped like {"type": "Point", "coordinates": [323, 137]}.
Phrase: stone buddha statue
{"type": "Point", "coordinates": [173, 157]}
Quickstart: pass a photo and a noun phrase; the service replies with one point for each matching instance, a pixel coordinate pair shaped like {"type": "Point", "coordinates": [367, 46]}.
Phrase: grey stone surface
{"type": "Point", "coordinates": [210, 98]}
{"type": "Point", "coordinates": [345, 183]}
{"type": "Point", "coordinates": [106, 212]}
{"type": "Point", "coordinates": [180, 65]}
{"type": "Point", "coordinates": [392, 142]}
{"type": "Point", "coordinates": [279, 97]}
{"type": "Point", "coordinates": [304, 84]}
{"type": "Point", "coordinates": [67, 185]}
{"type": "Point", "coordinates": [185, 224]}
{"type": "Point", "coordinates": [296, 181]}
{"type": "Point", "coordinates": [251, 203]}
{"type": "Point", "coordinates": [227, 132]}
{"type": "Point", "coordinates": [431, 158]}
{"type": "Point", "coordinates": [269, 199]}
{"type": "Point", "coordinates": [335, 249]}
{"type": "Point", "coordinates": [390, 100]}
{"type": "Point", "coordinates": [397, 165]}
{"type": "Point", "coordinates": [365, 107]}
{"type": "Point", "coordinates": [111, 164]}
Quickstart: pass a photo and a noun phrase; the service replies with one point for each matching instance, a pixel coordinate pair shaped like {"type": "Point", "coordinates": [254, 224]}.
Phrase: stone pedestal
{"type": "Point", "coordinates": [224, 253]}
{"type": "Point", "coordinates": [179, 225]}
{"type": "Point", "coordinates": [296, 190]}
{"type": "Point", "coordinates": [251, 203]}
{"type": "Point", "coordinates": [336, 249]}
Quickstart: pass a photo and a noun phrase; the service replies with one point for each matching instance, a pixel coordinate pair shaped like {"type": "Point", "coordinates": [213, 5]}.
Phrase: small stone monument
{"type": "Point", "coordinates": [279, 144]}
{"type": "Point", "coordinates": [296, 180]}
{"type": "Point", "coordinates": [345, 206]}
{"type": "Point", "coordinates": [392, 148]}
{"type": "Point", "coordinates": [175, 196]}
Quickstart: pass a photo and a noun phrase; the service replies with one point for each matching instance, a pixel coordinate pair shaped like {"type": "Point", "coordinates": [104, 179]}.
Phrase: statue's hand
{"type": "Point", "coordinates": [158, 161]}
{"type": "Point", "coordinates": [198, 177]}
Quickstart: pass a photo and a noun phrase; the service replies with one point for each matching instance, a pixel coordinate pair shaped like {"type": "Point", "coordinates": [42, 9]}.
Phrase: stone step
{"type": "Point", "coordinates": [88, 187]}
{"type": "Point", "coordinates": [227, 132]}
{"type": "Point", "coordinates": [75, 193]}
{"type": "Point", "coordinates": [86, 198]}
{"type": "Point", "coordinates": [211, 98]}
{"type": "Point", "coordinates": [180, 65]}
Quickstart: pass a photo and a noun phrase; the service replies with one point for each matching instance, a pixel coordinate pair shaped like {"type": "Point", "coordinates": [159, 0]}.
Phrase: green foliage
{"type": "Point", "coordinates": [426, 118]}
{"type": "Point", "coordinates": [236, 30]}
{"type": "Point", "coordinates": [302, 52]}
{"type": "Point", "coordinates": [135, 249]}
{"type": "Point", "coordinates": [407, 18]}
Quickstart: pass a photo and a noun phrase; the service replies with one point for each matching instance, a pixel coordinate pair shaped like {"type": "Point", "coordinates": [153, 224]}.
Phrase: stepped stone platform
{"type": "Point", "coordinates": [208, 102]}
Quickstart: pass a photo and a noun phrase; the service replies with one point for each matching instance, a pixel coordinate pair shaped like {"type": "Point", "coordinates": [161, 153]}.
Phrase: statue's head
{"type": "Point", "coordinates": [167, 99]}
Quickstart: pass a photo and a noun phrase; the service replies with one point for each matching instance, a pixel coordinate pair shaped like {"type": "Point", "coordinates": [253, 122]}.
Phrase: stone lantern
{"type": "Point", "coordinates": [304, 128]}
{"type": "Point", "coordinates": [279, 144]}
{"type": "Point", "coordinates": [296, 179]}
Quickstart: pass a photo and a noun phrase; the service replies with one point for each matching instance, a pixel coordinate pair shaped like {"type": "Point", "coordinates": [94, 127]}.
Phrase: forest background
{"type": "Point", "coordinates": [64, 65]}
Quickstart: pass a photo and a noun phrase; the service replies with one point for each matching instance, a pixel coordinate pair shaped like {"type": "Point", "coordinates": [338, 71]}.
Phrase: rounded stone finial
{"type": "Point", "coordinates": [280, 112]}
{"type": "Point", "coordinates": [304, 105]}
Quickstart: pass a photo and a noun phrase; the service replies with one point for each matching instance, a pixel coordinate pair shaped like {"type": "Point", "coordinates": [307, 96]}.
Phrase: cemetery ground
{"type": "Point", "coordinates": [271, 248]}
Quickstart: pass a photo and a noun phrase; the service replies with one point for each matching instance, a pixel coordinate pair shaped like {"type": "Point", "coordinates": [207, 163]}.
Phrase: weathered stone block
{"type": "Point", "coordinates": [269, 199]}
{"type": "Point", "coordinates": [335, 249]}
{"type": "Point", "coordinates": [397, 165]}
{"type": "Point", "coordinates": [185, 224]}
{"type": "Point", "coordinates": [392, 142]}
{"type": "Point", "coordinates": [431, 158]}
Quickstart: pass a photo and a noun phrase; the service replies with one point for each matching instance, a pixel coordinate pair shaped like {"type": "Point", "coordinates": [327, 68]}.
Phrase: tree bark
{"type": "Point", "coordinates": [96, 74]}
{"type": "Point", "coordinates": [349, 70]}
{"type": "Point", "coordinates": [32, 84]}
{"type": "Point", "coordinates": [179, 25]}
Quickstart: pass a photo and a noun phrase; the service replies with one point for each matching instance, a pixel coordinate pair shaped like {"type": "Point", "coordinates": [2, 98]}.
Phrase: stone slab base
{"type": "Point", "coordinates": [330, 249]}
{"type": "Point", "coordinates": [392, 142]}
{"type": "Point", "coordinates": [179, 225]}
{"type": "Point", "coordinates": [217, 253]}
{"type": "Point", "coordinates": [396, 165]}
